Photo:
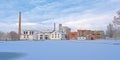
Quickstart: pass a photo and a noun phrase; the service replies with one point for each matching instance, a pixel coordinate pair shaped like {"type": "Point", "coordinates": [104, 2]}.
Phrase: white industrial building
{"type": "Point", "coordinates": [55, 36]}
{"type": "Point", "coordinates": [45, 35]}
{"type": "Point", "coordinates": [29, 35]}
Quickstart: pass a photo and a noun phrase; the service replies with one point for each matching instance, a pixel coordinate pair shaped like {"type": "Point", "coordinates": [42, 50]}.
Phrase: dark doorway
{"type": "Point", "coordinates": [46, 37]}
{"type": "Point", "coordinates": [92, 38]}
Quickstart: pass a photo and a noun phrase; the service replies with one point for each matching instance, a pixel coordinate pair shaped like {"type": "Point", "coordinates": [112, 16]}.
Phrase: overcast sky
{"type": "Point", "coordinates": [41, 14]}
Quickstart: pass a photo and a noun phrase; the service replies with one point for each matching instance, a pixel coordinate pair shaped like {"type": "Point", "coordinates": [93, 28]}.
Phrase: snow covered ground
{"type": "Point", "coordinates": [60, 50]}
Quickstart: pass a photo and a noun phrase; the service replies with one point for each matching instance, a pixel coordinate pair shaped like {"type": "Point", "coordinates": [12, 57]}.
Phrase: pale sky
{"type": "Point", "coordinates": [41, 14]}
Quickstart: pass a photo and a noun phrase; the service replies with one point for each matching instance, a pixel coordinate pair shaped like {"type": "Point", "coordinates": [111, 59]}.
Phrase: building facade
{"type": "Point", "coordinates": [82, 34]}
{"type": "Point", "coordinates": [65, 30]}
{"type": "Point", "coordinates": [55, 36]}
{"type": "Point", "coordinates": [90, 35]}
{"type": "Point", "coordinates": [45, 35]}
{"type": "Point", "coordinates": [29, 35]}
{"type": "Point", "coordinates": [95, 35]}
{"type": "Point", "coordinates": [72, 35]}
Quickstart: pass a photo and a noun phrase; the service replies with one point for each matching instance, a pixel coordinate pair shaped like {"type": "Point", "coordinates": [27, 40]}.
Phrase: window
{"type": "Point", "coordinates": [41, 38]}
{"type": "Point", "coordinates": [32, 32]}
{"type": "Point", "coordinates": [46, 37]}
{"type": "Point", "coordinates": [24, 36]}
{"type": "Point", "coordinates": [52, 36]}
{"type": "Point", "coordinates": [27, 36]}
{"type": "Point", "coordinates": [58, 35]}
{"type": "Point", "coordinates": [79, 34]}
{"type": "Point", "coordinates": [24, 32]}
{"type": "Point", "coordinates": [55, 35]}
{"type": "Point", "coordinates": [98, 34]}
{"type": "Point", "coordinates": [73, 34]}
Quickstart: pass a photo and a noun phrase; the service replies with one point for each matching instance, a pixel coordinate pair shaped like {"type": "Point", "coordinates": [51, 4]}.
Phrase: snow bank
{"type": "Point", "coordinates": [63, 50]}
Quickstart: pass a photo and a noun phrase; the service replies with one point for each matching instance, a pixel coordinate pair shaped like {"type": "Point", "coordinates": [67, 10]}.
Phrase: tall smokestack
{"type": "Point", "coordinates": [19, 26]}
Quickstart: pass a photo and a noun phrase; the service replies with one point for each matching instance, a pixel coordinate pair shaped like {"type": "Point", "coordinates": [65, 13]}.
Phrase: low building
{"type": "Point", "coordinates": [100, 35]}
{"type": "Point", "coordinates": [95, 35]}
{"type": "Point", "coordinates": [72, 35]}
{"type": "Point", "coordinates": [82, 34]}
{"type": "Point", "coordinates": [90, 35]}
{"type": "Point", "coordinates": [57, 36]}
{"type": "Point", "coordinates": [29, 35]}
{"type": "Point", "coordinates": [45, 35]}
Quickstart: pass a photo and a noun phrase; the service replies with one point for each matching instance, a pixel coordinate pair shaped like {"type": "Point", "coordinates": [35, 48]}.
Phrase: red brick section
{"type": "Point", "coordinates": [90, 35]}
{"type": "Point", "coordinates": [83, 33]}
{"type": "Point", "coordinates": [72, 35]}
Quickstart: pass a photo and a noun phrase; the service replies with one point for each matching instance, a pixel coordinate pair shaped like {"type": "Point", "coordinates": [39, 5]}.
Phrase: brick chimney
{"type": "Point", "coordinates": [19, 26]}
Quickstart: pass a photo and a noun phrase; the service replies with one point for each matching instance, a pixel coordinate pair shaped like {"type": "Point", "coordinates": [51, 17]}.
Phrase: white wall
{"type": "Point", "coordinates": [55, 36]}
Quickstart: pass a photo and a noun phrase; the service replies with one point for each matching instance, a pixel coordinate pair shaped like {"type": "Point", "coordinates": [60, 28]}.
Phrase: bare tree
{"type": "Point", "coordinates": [113, 29]}
{"type": "Point", "coordinates": [12, 35]}
{"type": "Point", "coordinates": [110, 30]}
{"type": "Point", "coordinates": [2, 35]}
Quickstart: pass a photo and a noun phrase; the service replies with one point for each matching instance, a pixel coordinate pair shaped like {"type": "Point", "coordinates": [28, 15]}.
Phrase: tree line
{"type": "Point", "coordinates": [9, 36]}
{"type": "Point", "coordinates": [113, 29]}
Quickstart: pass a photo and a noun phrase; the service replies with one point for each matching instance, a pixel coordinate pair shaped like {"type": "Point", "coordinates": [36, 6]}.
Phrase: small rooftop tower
{"type": "Point", "coordinates": [60, 27]}
{"type": "Point", "coordinates": [54, 26]}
